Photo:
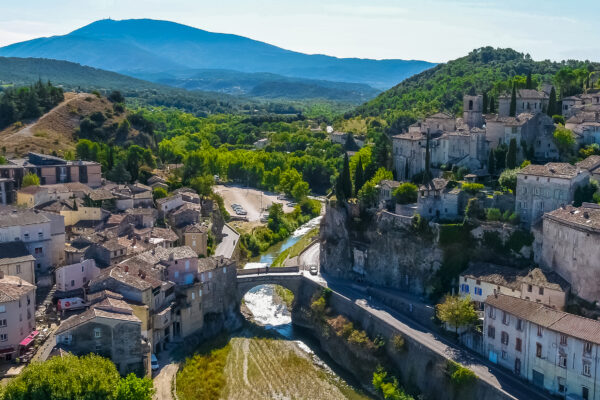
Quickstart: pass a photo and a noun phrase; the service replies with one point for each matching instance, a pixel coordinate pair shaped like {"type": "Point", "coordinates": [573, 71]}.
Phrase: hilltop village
{"type": "Point", "coordinates": [122, 270]}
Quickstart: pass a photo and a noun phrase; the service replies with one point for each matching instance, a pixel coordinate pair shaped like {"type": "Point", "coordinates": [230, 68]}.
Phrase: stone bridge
{"type": "Point", "coordinates": [289, 277]}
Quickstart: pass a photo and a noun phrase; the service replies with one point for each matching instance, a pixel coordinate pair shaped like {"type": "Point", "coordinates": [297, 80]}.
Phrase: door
{"type": "Point", "coordinates": [518, 366]}
{"type": "Point", "coordinates": [538, 379]}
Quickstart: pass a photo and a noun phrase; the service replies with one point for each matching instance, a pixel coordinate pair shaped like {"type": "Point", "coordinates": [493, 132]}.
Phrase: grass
{"type": "Point", "coordinates": [285, 295]}
{"type": "Point", "coordinates": [296, 248]}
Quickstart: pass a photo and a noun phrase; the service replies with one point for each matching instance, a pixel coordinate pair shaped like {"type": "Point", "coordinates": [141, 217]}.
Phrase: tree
{"type": "Point", "coordinates": [508, 179]}
{"type": "Point", "coordinates": [368, 194]}
{"type": "Point", "coordinates": [427, 175]}
{"type": "Point", "coordinates": [406, 193]}
{"type": "Point", "coordinates": [345, 185]}
{"type": "Point", "coordinates": [491, 163]}
{"type": "Point", "coordinates": [528, 83]}
{"type": "Point", "coordinates": [485, 103]}
{"type": "Point", "coordinates": [84, 378]}
{"type": "Point", "coordinates": [492, 105]}
{"type": "Point", "coordinates": [511, 155]}
{"type": "Point", "coordinates": [116, 97]}
{"type": "Point", "coordinates": [300, 190]}
{"type": "Point", "coordinates": [473, 209]}
{"type": "Point", "coordinates": [564, 140]}
{"type": "Point", "coordinates": [456, 312]}
{"type": "Point", "coordinates": [513, 101]}
{"type": "Point", "coordinates": [30, 179]}
{"type": "Point", "coordinates": [203, 185]}
{"type": "Point", "coordinates": [551, 111]}
{"type": "Point", "coordinates": [159, 193]}
{"type": "Point", "coordinates": [358, 177]}
{"type": "Point", "coordinates": [472, 188]}
{"type": "Point", "coordinates": [119, 173]}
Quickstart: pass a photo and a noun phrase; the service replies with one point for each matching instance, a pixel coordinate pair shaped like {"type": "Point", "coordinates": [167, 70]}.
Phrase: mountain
{"type": "Point", "coordinates": [144, 46]}
{"type": "Point", "coordinates": [442, 87]}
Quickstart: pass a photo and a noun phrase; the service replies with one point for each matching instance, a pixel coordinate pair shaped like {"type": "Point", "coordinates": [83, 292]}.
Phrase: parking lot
{"type": "Point", "coordinates": [252, 202]}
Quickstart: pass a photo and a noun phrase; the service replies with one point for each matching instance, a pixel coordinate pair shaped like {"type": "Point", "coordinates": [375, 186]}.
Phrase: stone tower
{"type": "Point", "coordinates": [473, 111]}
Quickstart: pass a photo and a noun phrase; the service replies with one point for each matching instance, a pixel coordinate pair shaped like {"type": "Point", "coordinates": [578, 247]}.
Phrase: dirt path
{"type": "Point", "coordinates": [163, 380]}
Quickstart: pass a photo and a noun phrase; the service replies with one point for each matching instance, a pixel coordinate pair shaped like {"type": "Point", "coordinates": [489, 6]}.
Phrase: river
{"type": "Point", "coordinates": [272, 314]}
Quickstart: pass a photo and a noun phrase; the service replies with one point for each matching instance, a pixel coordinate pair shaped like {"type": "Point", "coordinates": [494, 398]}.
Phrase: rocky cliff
{"type": "Point", "coordinates": [383, 249]}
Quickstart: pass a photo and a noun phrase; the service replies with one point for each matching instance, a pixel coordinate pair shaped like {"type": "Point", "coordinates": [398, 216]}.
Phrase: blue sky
{"type": "Point", "coordinates": [432, 30]}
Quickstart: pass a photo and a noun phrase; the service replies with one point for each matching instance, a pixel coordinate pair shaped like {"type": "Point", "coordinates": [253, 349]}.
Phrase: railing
{"type": "Point", "coordinates": [268, 270]}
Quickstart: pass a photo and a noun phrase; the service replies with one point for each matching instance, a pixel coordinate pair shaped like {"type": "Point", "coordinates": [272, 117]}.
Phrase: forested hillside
{"type": "Point", "coordinates": [483, 70]}
{"type": "Point", "coordinates": [28, 102]}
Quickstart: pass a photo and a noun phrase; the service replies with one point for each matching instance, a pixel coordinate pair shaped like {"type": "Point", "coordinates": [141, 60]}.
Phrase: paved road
{"type": "Point", "coordinates": [227, 245]}
{"type": "Point", "coordinates": [488, 372]}
{"type": "Point", "coordinates": [310, 256]}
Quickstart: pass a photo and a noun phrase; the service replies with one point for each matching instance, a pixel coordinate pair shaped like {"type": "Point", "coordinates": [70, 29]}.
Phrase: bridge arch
{"type": "Point", "coordinates": [287, 277]}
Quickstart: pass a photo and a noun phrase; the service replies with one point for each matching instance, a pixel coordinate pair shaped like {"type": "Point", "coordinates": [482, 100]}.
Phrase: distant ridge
{"type": "Point", "coordinates": [144, 46]}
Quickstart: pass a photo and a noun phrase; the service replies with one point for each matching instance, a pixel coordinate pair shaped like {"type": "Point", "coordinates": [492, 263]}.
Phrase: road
{"type": "Point", "coordinates": [486, 371]}
{"type": "Point", "coordinates": [163, 380]}
{"type": "Point", "coordinates": [310, 256]}
{"type": "Point", "coordinates": [227, 245]}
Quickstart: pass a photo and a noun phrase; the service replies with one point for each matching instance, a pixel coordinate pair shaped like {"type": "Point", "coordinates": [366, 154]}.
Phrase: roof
{"type": "Point", "coordinates": [532, 94]}
{"type": "Point", "coordinates": [98, 296]}
{"type": "Point", "coordinates": [586, 217]}
{"type": "Point", "coordinates": [551, 170]}
{"type": "Point", "coordinates": [14, 217]}
{"type": "Point", "coordinates": [211, 263]}
{"type": "Point", "coordinates": [13, 287]}
{"type": "Point", "coordinates": [164, 233]}
{"type": "Point", "coordinates": [195, 228]}
{"type": "Point", "coordinates": [492, 273]}
{"type": "Point", "coordinates": [559, 321]}
{"type": "Point", "coordinates": [133, 276]}
{"type": "Point", "coordinates": [14, 252]}
{"type": "Point", "coordinates": [435, 184]}
{"type": "Point", "coordinates": [32, 189]}
{"type": "Point", "coordinates": [91, 314]}
{"type": "Point", "coordinates": [167, 199]}
{"type": "Point", "coordinates": [390, 183]}
{"type": "Point", "coordinates": [590, 163]}
{"type": "Point", "coordinates": [546, 279]}
{"type": "Point", "coordinates": [441, 115]}
{"type": "Point", "coordinates": [101, 194]}
{"type": "Point", "coordinates": [112, 304]}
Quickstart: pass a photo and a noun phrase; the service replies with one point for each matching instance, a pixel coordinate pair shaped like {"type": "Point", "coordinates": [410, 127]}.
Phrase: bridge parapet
{"type": "Point", "coordinates": [268, 270]}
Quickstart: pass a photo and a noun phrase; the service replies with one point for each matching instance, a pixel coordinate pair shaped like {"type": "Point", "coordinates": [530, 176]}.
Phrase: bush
{"type": "Point", "coordinates": [493, 214]}
{"type": "Point", "coordinates": [398, 342]}
{"type": "Point", "coordinates": [406, 193]}
{"type": "Point", "coordinates": [459, 375]}
{"type": "Point", "coordinates": [519, 239]}
{"type": "Point", "coordinates": [387, 386]}
{"type": "Point", "coordinates": [508, 179]}
{"type": "Point", "coordinates": [358, 338]}
{"type": "Point", "coordinates": [472, 188]}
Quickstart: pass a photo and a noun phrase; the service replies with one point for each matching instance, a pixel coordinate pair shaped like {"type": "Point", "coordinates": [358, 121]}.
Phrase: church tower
{"type": "Point", "coordinates": [473, 111]}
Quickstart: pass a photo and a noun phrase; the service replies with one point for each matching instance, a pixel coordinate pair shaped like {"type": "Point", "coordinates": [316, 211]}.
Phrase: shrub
{"type": "Point", "coordinates": [493, 214]}
{"type": "Point", "coordinates": [318, 306]}
{"type": "Point", "coordinates": [519, 239]}
{"type": "Point", "coordinates": [359, 338]}
{"type": "Point", "coordinates": [472, 188]}
{"type": "Point", "coordinates": [508, 179]}
{"type": "Point", "coordinates": [387, 386]}
{"type": "Point", "coordinates": [514, 218]}
{"type": "Point", "coordinates": [406, 193]}
{"type": "Point", "coordinates": [399, 342]}
{"type": "Point", "coordinates": [459, 375]}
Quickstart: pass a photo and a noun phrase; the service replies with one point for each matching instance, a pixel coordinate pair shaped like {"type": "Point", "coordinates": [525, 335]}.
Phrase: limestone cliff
{"type": "Point", "coordinates": [385, 250]}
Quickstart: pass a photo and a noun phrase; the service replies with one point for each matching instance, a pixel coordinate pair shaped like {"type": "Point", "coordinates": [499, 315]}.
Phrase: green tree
{"type": "Point", "coordinates": [84, 378]}
{"type": "Point", "coordinates": [427, 174]}
{"type": "Point", "coordinates": [552, 103]}
{"type": "Point", "coordinates": [345, 184]}
{"type": "Point", "coordinates": [159, 193]}
{"type": "Point", "coordinates": [485, 103]}
{"type": "Point", "coordinates": [511, 155]}
{"type": "Point", "coordinates": [406, 193]}
{"type": "Point", "coordinates": [472, 188]}
{"type": "Point", "coordinates": [119, 173]}
{"type": "Point", "coordinates": [564, 140]}
{"type": "Point", "coordinates": [358, 177]}
{"type": "Point", "coordinates": [528, 83]}
{"type": "Point", "coordinates": [492, 105]}
{"type": "Point", "coordinates": [508, 179]}
{"type": "Point", "coordinates": [368, 194]}
{"type": "Point", "coordinates": [457, 312]}
{"type": "Point", "coordinates": [300, 190]}
{"type": "Point", "coordinates": [473, 209]}
{"type": "Point", "coordinates": [491, 163]}
{"type": "Point", "coordinates": [203, 185]}
{"type": "Point", "coordinates": [513, 101]}
{"type": "Point", "coordinates": [30, 179]}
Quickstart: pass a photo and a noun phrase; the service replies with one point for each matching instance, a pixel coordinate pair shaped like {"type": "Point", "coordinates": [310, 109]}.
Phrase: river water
{"type": "Point", "coordinates": [270, 312]}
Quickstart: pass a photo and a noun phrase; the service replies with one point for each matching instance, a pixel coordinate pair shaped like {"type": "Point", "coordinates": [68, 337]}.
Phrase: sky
{"type": "Point", "coordinates": [431, 30]}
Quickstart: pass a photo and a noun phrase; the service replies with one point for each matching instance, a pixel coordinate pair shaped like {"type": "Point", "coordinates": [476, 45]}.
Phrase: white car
{"type": "Point", "coordinates": [153, 362]}
{"type": "Point", "coordinates": [313, 270]}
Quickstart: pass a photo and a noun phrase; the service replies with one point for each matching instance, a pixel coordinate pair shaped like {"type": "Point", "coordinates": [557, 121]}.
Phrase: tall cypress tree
{"type": "Point", "coordinates": [528, 82]}
{"type": "Point", "coordinates": [552, 103]}
{"type": "Point", "coordinates": [513, 102]}
{"type": "Point", "coordinates": [485, 103]}
{"type": "Point", "coordinates": [491, 163]}
{"type": "Point", "coordinates": [359, 178]}
{"type": "Point", "coordinates": [492, 105]}
{"type": "Point", "coordinates": [511, 155]}
{"type": "Point", "coordinates": [346, 182]}
{"type": "Point", "coordinates": [427, 175]}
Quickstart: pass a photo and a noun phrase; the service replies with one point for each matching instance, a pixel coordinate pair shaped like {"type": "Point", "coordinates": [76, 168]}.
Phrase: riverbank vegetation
{"type": "Point", "coordinates": [296, 248]}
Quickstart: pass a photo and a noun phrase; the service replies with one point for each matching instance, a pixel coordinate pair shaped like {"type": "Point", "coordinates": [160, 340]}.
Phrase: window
{"type": "Point", "coordinates": [518, 344]}
{"type": "Point", "coordinates": [563, 340]}
{"type": "Point", "coordinates": [202, 276]}
{"type": "Point", "coordinates": [38, 250]}
{"type": "Point", "coordinates": [529, 288]}
{"type": "Point", "coordinates": [538, 350]}
{"type": "Point", "coordinates": [541, 291]}
{"type": "Point", "coordinates": [18, 268]}
{"type": "Point", "coordinates": [224, 270]}
{"type": "Point", "coordinates": [187, 265]}
{"type": "Point", "coordinates": [2, 309]}
{"type": "Point", "coordinates": [26, 236]}
{"type": "Point", "coordinates": [97, 333]}
{"type": "Point", "coordinates": [98, 347]}
{"type": "Point", "coordinates": [176, 274]}
{"type": "Point", "coordinates": [2, 323]}
{"type": "Point", "coordinates": [587, 368]}
{"type": "Point", "coordinates": [209, 274]}
{"type": "Point", "coordinates": [492, 313]}
{"type": "Point", "coordinates": [505, 318]}
{"type": "Point", "coordinates": [540, 331]}
{"type": "Point", "coordinates": [585, 393]}
{"type": "Point", "coordinates": [200, 293]}
{"type": "Point", "coordinates": [519, 324]}
{"type": "Point", "coordinates": [504, 355]}
{"type": "Point", "coordinates": [3, 337]}
{"type": "Point", "coordinates": [491, 332]}
{"type": "Point", "coordinates": [562, 361]}
{"type": "Point", "coordinates": [587, 348]}
{"type": "Point", "coordinates": [193, 295]}
{"type": "Point", "coordinates": [72, 282]}
{"type": "Point", "coordinates": [504, 338]}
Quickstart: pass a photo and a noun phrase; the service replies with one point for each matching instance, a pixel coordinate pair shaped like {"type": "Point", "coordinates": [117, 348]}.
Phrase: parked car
{"type": "Point", "coordinates": [313, 270]}
{"type": "Point", "coordinates": [153, 362]}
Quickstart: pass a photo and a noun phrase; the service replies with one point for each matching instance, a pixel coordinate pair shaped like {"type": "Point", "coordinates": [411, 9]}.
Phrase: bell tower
{"type": "Point", "coordinates": [473, 111]}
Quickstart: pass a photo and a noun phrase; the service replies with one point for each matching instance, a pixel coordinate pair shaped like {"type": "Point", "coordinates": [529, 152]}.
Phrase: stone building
{"type": "Point", "coordinates": [571, 238]}
{"type": "Point", "coordinates": [196, 237]}
{"type": "Point", "coordinates": [438, 199]}
{"type": "Point", "coordinates": [528, 101]}
{"type": "Point", "coordinates": [17, 315]}
{"type": "Point", "coordinates": [71, 279]}
{"type": "Point", "coordinates": [16, 260]}
{"type": "Point", "coordinates": [7, 191]}
{"type": "Point", "coordinates": [544, 188]}
{"type": "Point", "coordinates": [552, 349]}
{"type": "Point", "coordinates": [167, 204]}
{"type": "Point", "coordinates": [591, 165]}
{"type": "Point", "coordinates": [108, 328]}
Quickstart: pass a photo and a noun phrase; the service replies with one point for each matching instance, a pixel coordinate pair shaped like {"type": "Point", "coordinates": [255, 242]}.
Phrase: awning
{"type": "Point", "coordinates": [27, 341]}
